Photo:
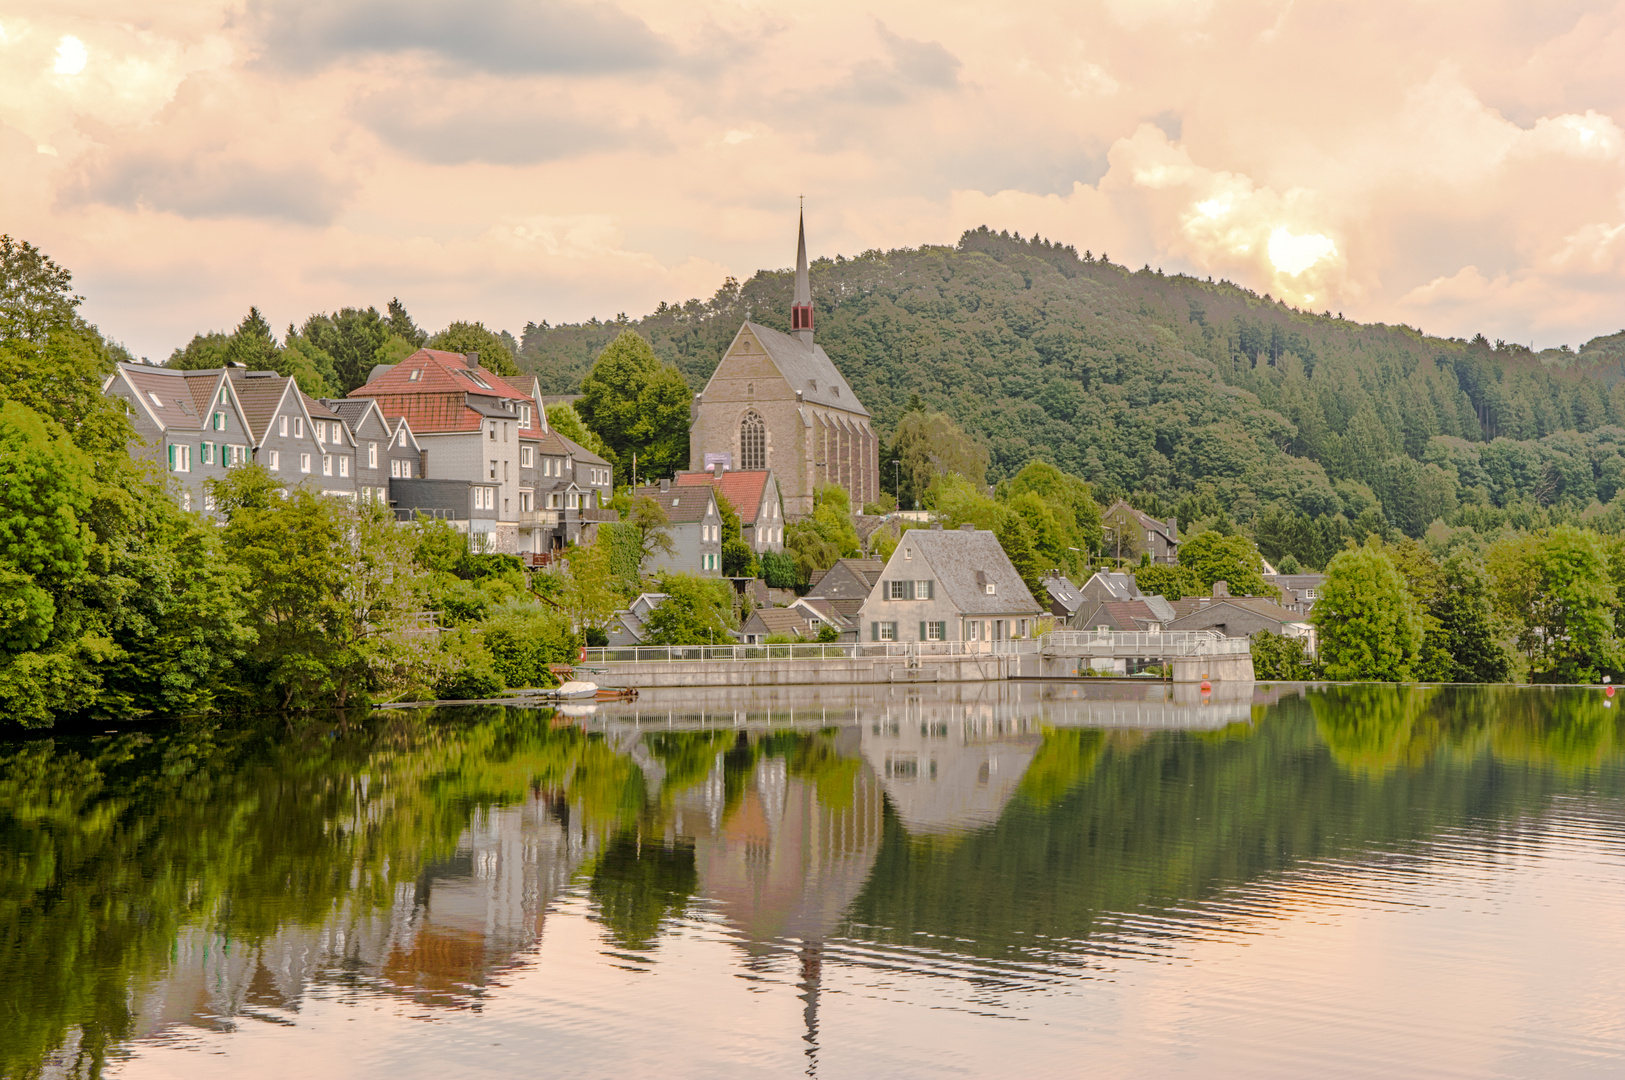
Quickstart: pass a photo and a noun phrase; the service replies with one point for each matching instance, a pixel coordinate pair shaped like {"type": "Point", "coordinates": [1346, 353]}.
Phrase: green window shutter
{"type": "Point", "coordinates": [171, 457]}
{"type": "Point", "coordinates": [922, 631]}
{"type": "Point", "coordinates": [874, 631]}
{"type": "Point", "coordinates": [930, 590]}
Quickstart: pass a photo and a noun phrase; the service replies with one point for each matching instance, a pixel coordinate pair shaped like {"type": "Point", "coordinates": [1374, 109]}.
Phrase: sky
{"type": "Point", "coordinates": [1455, 165]}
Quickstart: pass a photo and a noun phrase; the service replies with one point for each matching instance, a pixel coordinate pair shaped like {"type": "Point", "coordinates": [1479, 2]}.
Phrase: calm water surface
{"type": "Point", "coordinates": [930, 881]}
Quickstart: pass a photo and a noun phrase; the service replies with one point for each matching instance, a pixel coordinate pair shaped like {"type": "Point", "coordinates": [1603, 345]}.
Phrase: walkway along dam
{"type": "Point", "coordinates": [1187, 657]}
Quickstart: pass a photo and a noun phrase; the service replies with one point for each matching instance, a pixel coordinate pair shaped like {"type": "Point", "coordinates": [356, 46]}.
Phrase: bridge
{"type": "Point", "coordinates": [1190, 655]}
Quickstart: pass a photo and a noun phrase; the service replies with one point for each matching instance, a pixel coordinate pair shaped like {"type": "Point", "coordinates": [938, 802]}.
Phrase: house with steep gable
{"type": "Point", "coordinates": [754, 497]}
{"type": "Point", "coordinates": [383, 450]}
{"type": "Point", "coordinates": [1131, 533]}
{"type": "Point", "coordinates": [949, 585]}
{"type": "Point", "coordinates": [694, 525]}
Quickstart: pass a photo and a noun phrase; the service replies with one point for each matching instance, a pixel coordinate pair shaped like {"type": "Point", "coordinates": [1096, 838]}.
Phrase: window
{"type": "Point", "coordinates": [282, 426]}
{"type": "Point", "coordinates": [406, 469]}
{"type": "Point", "coordinates": [156, 400]}
{"type": "Point", "coordinates": [275, 463]}
{"type": "Point", "coordinates": [222, 395]}
{"type": "Point", "coordinates": [883, 631]}
{"type": "Point", "coordinates": [504, 431]}
{"type": "Point", "coordinates": [206, 454]}
{"type": "Point", "coordinates": [414, 375]}
{"type": "Point", "coordinates": [320, 429]}
{"type": "Point", "coordinates": [900, 590]}
{"type": "Point", "coordinates": [933, 631]}
{"type": "Point", "coordinates": [1023, 632]}
{"type": "Point", "coordinates": [752, 442]}
{"type": "Point", "coordinates": [750, 389]}
{"type": "Point", "coordinates": [527, 459]}
{"type": "Point", "coordinates": [990, 589]}
{"type": "Point", "coordinates": [220, 421]}
{"type": "Point", "coordinates": [304, 463]}
{"type": "Point", "coordinates": [327, 464]}
{"type": "Point", "coordinates": [505, 470]}
{"type": "Point", "coordinates": [505, 507]}
{"type": "Point", "coordinates": [574, 500]}
{"type": "Point", "coordinates": [1308, 594]}
{"type": "Point", "coordinates": [973, 631]}
{"type": "Point", "coordinates": [908, 555]}
{"type": "Point", "coordinates": [344, 466]}
{"type": "Point", "coordinates": [299, 427]}
{"type": "Point", "coordinates": [394, 467]}
{"type": "Point", "coordinates": [524, 416]}
{"type": "Point", "coordinates": [383, 495]}
{"type": "Point", "coordinates": [372, 455]}
{"type": "Point", "coordinates": [493, 472]}
{"type": "Point", "coordinates": [525, 501]}
{"type": "Point", "coordinates": [925, 590]}
{"type": "Point", "coordinates": [553, 501]}
{"type": "Point", "coordinates": [401, 439]}
{"type": "Point", "coordinates": [491, 429]}
{"type": "Point", "coordinates": [180, 457]}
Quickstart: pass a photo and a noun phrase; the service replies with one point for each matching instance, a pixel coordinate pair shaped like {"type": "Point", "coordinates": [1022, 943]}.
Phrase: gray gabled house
{"type": "Point", "coordinates": [694, 525]}
{"type": "Point", "coordinates": [949, 585]}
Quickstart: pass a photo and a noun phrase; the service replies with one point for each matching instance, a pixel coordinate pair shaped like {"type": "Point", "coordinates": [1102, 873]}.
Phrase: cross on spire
{"type": "Point", "coordinates": [801, 309]}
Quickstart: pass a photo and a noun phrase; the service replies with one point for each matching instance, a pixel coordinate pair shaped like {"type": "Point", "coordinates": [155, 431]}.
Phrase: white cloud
{"type": "Point", "coordinates": [70, 56]}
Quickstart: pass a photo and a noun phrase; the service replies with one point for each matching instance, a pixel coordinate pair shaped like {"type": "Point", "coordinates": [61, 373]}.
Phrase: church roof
{"type": "Point", "coordinates": [807, 368]}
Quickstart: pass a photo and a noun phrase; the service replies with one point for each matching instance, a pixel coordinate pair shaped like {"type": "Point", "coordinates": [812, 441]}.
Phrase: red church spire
{"type": "Point", "coordinates": [801, 309]}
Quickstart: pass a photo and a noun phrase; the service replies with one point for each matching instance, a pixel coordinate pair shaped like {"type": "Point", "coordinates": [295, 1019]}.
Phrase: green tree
{"type": "Point", "coordinates": [1277, 657]}
{"type": "Point", "coordinates": [1558, 588]}
{"type": "Point", "coordinates": [402, 326]}
{"type": "Point", "coordinates": [36, 294]}
{"type": "Point", "coordinates": [1370, 626]}
{"type": "Point", "coordinates": [353, 337]}
{"type": "Point", "coordinates": [930, 446]}
{"type": "Point", "coordinates": [696, 611]}
{"type": "Point", "coordinates": [1232, 559]}
{"type": "Point", "coordinates": [1173, 582]}
{"type": "Point", "coordinates": [567, 422]}
{"type": "Point", "coordinates": [1466, 617]}
{"type": "Point", "coordinates": [817, 541]}
{"type": "Point", "coordinates": [779, 569]}
{"type": "Point", "coordinates": [204, 351]}
{"type": "Point", "coordinates": [649, 522]}
{"type": "Point", "coordinates": [637, 405]}
{"type": "Point", "coordinates": [307, 365]}
{"type": "Point", "coordinates": [589, 597]}
{"type": "Point", "coordinates": [253, 344]}
{"type": "Point", "coordinates": [496, 355]}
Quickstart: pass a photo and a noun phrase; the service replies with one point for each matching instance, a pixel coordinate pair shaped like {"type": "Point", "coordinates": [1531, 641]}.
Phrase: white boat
{"type": "Point", "coordinates": [575, 689]}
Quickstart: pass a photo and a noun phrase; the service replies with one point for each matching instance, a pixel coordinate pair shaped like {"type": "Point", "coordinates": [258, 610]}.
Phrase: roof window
{"type": "Point", "coordinates": [415, 375]}
{"type": "Point", "coordinates": [156, 400]}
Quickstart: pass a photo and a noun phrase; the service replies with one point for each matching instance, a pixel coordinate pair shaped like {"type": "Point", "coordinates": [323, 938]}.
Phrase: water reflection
{"type": "Point", "coordinates": [159, 886]}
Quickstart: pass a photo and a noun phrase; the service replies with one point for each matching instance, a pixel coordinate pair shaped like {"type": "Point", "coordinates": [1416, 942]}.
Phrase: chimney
{"type": "Point", "coordinates": [1173, 528]}
{"type": "Point", "coordinates": [473, 360]}
{"type": "Point", "coordinates": [665, 485]}
{"type": "Point", "coordinates": [936, 526]}
{"type": "Point", "coordinates": [1221, 589]}
{"type": "Point", "coordinates": [717, 470]}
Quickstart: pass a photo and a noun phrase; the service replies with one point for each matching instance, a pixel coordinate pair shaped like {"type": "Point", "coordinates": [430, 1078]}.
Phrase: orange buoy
{"type": "Point", "coordinates": [1206, 686]}
{"type": "Point", "coordinates": [1609, 690]}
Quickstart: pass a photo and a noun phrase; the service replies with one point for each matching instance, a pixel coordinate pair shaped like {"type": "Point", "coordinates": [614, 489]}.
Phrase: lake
{"type": "Point", "coordinates": [1089, 879]}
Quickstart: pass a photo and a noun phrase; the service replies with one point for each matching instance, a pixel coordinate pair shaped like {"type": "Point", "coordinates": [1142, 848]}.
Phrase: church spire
{"type": "Point", "coordinates": [801, 310]}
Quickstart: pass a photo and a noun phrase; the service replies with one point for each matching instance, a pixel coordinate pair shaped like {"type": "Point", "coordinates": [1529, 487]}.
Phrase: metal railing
{"type": "Point", "coordinates": [544, 519]}
{"type": "Point", "coordinates": [876, 650]}
{"type": "Point", "coordinates": [1143, 643]}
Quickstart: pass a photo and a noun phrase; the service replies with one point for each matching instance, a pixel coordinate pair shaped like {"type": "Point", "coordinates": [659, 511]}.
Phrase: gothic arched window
{"type": "Point", "coordinates": [752, 442]}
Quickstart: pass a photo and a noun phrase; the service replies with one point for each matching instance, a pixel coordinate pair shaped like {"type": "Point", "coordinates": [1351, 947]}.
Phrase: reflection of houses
{"type": "Point", "coordinates": [791, 854]}
{"type": "Point", "coordinates": [949, 769]}
{"type": "Point", "coordinates": [439, 940]}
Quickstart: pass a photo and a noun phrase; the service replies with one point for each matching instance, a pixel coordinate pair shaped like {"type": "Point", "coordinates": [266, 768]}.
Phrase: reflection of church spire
{"type": "Point", "coordinates": [812, 977]}
{"type": "Point", "coordinates": [801, 311]}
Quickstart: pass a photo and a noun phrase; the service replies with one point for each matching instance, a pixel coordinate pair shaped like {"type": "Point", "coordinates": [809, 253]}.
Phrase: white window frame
{"type": "Point", "coordinates": [327, 464]}
{"type": "Point", "coordinates": [372, 455]}
{"type": "Point", "coordinates": [304, 463]}
{"type": "Point", "coordinates": [282, 426]}
{"type": "Point", "coordinates": [344, 465]}
{"type": "Point", "coordinates": [527, 458]}
{"type": "Point", "coordinates": [936, 631]}
{"type": "Point", "coordinates": [275, 462]}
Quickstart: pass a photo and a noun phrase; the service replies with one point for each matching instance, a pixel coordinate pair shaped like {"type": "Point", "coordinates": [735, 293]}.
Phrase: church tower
{"type": "Point", "coordinates": [801, 309]}
{"type": "Point", "coordinates": [776, 403]}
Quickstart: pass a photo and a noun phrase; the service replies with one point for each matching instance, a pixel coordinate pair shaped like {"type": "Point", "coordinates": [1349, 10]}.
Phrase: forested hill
{"type": "Point", "coordinates": [1169, 385]}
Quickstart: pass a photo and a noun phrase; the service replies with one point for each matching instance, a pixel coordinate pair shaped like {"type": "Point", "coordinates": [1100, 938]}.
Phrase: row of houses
{"type": "Point", "coordinates": [436, 434]}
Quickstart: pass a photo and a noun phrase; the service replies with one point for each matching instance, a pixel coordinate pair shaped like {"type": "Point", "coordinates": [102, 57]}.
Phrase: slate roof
{"type": "Point", "coordinates": [684, 505]}
{"type": "Point", "coordinates": [259, 393]}
{"type": "Point", "coordinates": [841, 614]}
{"type": "Point", "coordinates": [741, 488]}
{"type": "Point", "coordinates": [957, 557]}
{"type": "Point", "coordinates": [354, 413]}
{"type": "Point", "coordinates": [807, 368]}
{"type": "Point", "coordinates": [1268, 609]}
{"type": "Point", "coordinates": [1063, 592]}
{"type": "Point", "coordinates": [1146, 521]}
{"type": "Point", "coordinates": [776, 620]}
{"type": "Point", "coordinates": [579, 452]}
{"type": "Point", "coordinates": [1126, 615]}
{"type": "Point", "coordinates": [175, 405]}
{"type": "Point", "coordinates": [864, 571]}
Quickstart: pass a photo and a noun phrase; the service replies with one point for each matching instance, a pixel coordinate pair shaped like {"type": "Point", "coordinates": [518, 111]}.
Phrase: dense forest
{"type": "Point", "coordinates": [1167, 386]}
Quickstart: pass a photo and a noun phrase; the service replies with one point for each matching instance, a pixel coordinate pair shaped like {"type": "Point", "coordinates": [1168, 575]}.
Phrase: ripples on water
{"type": "Point", "coordinates": [938, 881]}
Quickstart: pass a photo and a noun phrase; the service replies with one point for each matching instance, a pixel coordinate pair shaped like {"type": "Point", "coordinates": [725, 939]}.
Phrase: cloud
{"type": "Point", "coordinates": [446, 126]}
{"type": "Point", "coordinates": [212, 186]}
{"type": "Point", "coordinates": [908, 66]}
{"type": "Point", "coordinates": [502, 36]}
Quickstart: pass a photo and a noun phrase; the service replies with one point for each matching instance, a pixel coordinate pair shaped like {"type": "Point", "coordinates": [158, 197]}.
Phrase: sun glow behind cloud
{"type": "Point", "coordinates": [559, 159]}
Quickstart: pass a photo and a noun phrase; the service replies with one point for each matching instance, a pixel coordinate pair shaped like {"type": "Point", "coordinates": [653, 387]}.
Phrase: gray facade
{"type": "Point", "coordinates": [953, 585]}
{"type": "Point", "coordinates": [694, 526]}
{"type": "Point", "coordinates": [1134, 533]}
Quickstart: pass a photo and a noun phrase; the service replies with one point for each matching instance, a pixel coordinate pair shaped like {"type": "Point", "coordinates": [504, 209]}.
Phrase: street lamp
{"type": "Point", "coordinates": [897, 482]}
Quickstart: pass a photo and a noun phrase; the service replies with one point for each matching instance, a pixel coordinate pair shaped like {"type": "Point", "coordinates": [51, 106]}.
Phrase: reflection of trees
{"type": "Point", "coordinates": [1573, 730]}
{"type": "Point", "coordinates": [638, 882]}
{"type": "Point", "coordinates": [110, 849]}
{"type": "Point", "coordinates": [1065, 757]}
{"type": "Point", "coordinates": [1372, 729]}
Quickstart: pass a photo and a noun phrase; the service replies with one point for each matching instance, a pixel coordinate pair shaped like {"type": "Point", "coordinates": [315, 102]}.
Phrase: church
{"type": "Point", "coordinates": [776, 402]}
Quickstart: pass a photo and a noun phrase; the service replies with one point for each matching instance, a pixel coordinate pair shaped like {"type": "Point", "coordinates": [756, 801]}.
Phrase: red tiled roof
{"type": "Point", "coordinates": [742, 489]}
{"type": "Point", "coordinates": [436, 401]}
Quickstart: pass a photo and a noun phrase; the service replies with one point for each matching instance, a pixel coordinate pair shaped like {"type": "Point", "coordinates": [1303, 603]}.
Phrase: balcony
{"type": "Point", "coordinates": [539, 519]}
